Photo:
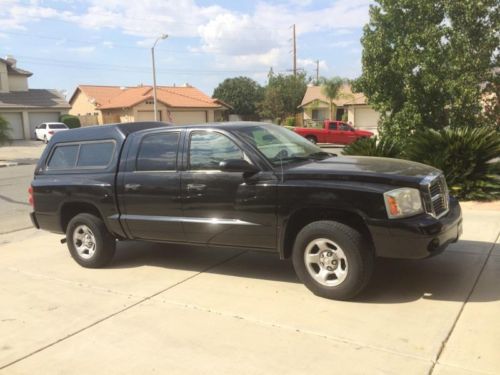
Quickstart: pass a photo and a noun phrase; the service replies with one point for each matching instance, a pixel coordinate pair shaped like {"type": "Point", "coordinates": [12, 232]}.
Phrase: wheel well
{"type": "Point", "coordinates": [70, 210]}
{"type": "Point", "coordinates": [311, 136]}
{"type": "Point", "coordinates": [301, 218]}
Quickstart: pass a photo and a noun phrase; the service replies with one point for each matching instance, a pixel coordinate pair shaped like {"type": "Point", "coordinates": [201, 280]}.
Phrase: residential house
{"type": "Point", "coordinates": [25, 108]}
{"type": "Point", "coordinates": [317, 108]}
{"type": "Point", "coordinates": [176, 104]}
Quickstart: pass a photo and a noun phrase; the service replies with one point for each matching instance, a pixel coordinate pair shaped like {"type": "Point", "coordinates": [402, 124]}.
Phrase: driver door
{"type": "Point", "coordinates": [225, 208]}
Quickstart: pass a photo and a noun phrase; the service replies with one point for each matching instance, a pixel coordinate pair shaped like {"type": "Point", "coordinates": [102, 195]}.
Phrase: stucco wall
{"type": "Point", "coordinates": [18, 83]}
{"type": "Point", "coordinates": [4, 79]}
{"type": "Point", "coordinates": [81, 106]}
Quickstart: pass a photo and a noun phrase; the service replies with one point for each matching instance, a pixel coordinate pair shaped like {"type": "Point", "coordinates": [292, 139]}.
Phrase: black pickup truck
{"type": "Point", "coordinates": [250, 185]}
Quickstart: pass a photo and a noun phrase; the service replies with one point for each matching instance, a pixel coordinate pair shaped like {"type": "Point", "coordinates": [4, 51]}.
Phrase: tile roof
{"type": "Point", "coordinates": [108, 97]}
{"type": "Point", "coordinates": [347, 97]}
{"type": "Point", "coordinates": [33, 98]}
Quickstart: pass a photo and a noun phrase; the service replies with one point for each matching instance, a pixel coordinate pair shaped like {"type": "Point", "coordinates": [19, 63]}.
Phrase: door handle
{"type": "Point", "coordinates": [132, 187]}
{"type": "Point", "coordinates": [196, 187]}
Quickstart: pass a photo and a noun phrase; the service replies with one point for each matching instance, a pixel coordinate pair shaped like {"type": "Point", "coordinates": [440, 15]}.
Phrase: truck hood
{"type": "Point", "coordinates": [364, 169]}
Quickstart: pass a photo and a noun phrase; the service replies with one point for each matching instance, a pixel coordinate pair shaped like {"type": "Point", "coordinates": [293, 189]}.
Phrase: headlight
{"type": "Point", "coordinates": [403, 202]}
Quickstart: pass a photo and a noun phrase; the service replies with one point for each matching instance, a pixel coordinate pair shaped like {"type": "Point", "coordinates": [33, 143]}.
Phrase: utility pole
{"type": "Point", "coordinates": [155, 110]}
{"type": "Point", "coordinates": [317, 72]}
{"type": "Point", "coordinates": [294, 52]}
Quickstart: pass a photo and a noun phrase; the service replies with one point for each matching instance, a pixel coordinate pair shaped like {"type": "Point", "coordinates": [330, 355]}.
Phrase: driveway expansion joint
{"type": "Point", "coordinates": [462, 307]}
{"type": "Point", "coordinates": [353, 343]}
{"type": "Point", "coordinates": [116, 313]}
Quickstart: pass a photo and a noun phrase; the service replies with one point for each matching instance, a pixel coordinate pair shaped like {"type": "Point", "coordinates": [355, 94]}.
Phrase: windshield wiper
{"type": "Point", "coordinates": [292, 158]}
{"type": "Point", "coordinates": [321, 155]}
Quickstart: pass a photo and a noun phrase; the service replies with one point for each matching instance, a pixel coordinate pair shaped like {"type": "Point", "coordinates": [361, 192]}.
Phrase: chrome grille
{"type": "Point", "coordinates": [436, 197]}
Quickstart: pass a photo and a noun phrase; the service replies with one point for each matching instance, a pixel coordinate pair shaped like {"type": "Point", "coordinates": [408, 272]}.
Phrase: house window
{"type": "Point", "coordinates": [315, 114]}
{"type": "Point", "coordinates": [149, 102]}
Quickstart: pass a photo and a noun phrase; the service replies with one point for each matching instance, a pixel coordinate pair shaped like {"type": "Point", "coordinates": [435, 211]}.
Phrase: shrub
{"type": "Point", "coordinates": [465, 156]}
{"type": "Point", "coordinates": [290, 121]}
{"type": "Point", "coordinates": [374, 146]}
{"type": "Point", "coordinates": [71, 121]}
{"type": "Point", "coordinates": [4, 131]}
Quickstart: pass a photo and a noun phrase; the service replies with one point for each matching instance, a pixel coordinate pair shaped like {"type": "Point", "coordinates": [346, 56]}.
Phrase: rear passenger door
{"type": "Point", "coordinates": [149, 187]}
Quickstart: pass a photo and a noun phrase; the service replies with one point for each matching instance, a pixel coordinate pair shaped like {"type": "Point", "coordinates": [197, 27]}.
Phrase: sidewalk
{"type": "Point", "coordinates": [20, 152]}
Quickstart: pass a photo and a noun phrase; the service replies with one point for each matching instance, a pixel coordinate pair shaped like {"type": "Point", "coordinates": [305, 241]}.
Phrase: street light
{"type": "Point", "coordinates": [162, 36]}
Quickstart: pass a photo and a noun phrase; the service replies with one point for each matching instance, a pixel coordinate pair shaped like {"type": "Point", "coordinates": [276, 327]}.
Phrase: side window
{"type": "Point", "coordinates": [95, 154]}
{"type": "Point", "coordinates": [158, 152]}
{"type": "Point", "coordinates": [332, 126]}
{"type": "Point", "coordinates": [63, 157]}
{"type": "Point", "coordinates": [43, 126]}
{"type": "Point", "coordinates": [345, 127]}
{"type": "Point", "coordinates": [208, 149]}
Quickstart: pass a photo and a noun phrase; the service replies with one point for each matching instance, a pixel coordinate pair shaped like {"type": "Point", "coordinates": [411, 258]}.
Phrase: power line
{"type": "Point", "coordinates": [100, 66]}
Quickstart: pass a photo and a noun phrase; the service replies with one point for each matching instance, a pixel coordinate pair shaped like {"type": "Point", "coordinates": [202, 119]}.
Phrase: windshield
{"type": "Point", "coordinates": [280, 145]}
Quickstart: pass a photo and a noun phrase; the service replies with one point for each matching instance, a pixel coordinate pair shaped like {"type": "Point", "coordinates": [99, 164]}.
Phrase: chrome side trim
{"type": "Point", "coordinates": [184, 219]}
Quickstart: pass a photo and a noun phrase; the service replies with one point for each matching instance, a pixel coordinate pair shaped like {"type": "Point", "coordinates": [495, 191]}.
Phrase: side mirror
{"type": "Point", "coordinates": [237, 165]}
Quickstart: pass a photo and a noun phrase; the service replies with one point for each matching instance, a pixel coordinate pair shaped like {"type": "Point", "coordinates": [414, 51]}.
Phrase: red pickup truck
{"type": "Point", "coordinates": [333, 132]}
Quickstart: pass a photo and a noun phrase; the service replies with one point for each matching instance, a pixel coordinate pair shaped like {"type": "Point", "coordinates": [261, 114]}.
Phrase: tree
{"type": "Point", "coordinates": [242, 93]}
{"type": "Point", "coordinates": [425, 62]}
{"type": "Point", "coordinates": [331, 89]}
{"type": "Point", "coordinates": [283, 95]}
{"type": "Point", "coordinates": [4, 131]}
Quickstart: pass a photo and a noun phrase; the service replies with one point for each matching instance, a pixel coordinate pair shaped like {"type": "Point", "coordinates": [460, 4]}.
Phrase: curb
{"type": "Point", "coordinates": [8, 164]}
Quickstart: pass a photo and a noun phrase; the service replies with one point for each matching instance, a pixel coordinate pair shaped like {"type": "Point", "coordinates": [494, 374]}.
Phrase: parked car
{"type": "Point", "coordinates": [45, 131]}
{"type": "Point", "coordinates": [244, 185]}
{"type": "Point", "coordinates": [333, 132]}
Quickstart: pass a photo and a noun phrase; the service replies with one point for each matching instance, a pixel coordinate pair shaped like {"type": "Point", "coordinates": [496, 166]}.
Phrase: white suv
{"type": "Point", "coordinates": [46, 130]}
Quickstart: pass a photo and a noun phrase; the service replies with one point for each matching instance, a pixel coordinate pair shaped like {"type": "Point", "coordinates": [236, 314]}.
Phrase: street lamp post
{"type": "Point", "coordinates": [162, 36]}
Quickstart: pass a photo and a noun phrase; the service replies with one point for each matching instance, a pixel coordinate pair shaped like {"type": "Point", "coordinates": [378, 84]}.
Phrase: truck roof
{"type": "Point", "coordinates": [115, 131]}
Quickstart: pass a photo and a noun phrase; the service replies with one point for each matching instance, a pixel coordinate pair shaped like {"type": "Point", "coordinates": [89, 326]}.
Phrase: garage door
{"type": "Point", "coordinates": [147, 116]}
{"type": "Point", "coordinates": [15, 120]}
{"type": "Point", "coordinates": [36, 118]}
{"type": "Point", "coordinates": [188, 117]}
{"type": "Point", "coordinates": [366, 119]}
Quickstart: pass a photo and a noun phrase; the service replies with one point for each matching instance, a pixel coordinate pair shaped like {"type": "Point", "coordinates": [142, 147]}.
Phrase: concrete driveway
{"type": "Point", "coordinates": [184, 310]}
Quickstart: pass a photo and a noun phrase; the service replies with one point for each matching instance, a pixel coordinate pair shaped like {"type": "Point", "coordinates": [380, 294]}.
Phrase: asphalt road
{"type": "Point", "coordinates": [14, 207]}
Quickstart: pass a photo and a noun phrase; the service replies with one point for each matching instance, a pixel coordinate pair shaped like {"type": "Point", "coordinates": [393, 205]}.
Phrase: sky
{"type": "Point", "coordinates": [108, 42]}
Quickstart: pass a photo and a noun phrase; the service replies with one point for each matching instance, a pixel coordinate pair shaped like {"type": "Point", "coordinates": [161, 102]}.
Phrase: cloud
{"type": "Point", "coordinates": [343, 43]}
{"type": "Point", "coordinates": [256, 39]}
{"type": "Point", "coordinates": [83, 50]}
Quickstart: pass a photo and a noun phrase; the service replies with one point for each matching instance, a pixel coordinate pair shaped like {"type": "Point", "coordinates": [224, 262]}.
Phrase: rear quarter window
{"type": "Point", "coordinates": [83, 155]}
{"type": "Point", "coordinates": [95, 154]}
{"type": "Point", "coordinates": [63, 157]}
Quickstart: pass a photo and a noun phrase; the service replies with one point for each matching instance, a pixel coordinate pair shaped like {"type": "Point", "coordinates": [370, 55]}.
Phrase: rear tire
{"type": "Point", "coordinates": [45, 140]}
{"type": "Point", "coordinates": [89, 242]}
{"type": "Point", "coordinates": [312, 139]}
{"type": "Point", "coordinates": [333, 260]}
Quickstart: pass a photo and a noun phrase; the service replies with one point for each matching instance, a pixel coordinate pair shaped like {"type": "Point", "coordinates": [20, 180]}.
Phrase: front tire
{"type": "Point", "coordinates": [89, 242]}
{"type": "Point", "coordinates": [333, 260]}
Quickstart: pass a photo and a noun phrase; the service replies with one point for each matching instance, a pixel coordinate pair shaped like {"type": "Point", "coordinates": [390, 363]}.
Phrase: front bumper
{"type": "Point", "coordinates": [417, 237]}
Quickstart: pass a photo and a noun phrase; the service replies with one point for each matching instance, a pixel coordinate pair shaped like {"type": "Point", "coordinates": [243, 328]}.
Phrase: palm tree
{"type": "Point", "coordinates": [4, 131]}
{"type": "Point", "coordinates": [331, 89]}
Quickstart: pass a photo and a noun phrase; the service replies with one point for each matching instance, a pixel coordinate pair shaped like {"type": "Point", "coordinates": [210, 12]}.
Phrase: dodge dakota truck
{"type": "Point", "coordinates": [243, 185]}
{"type": "Point", "coordinates": [337, 132]}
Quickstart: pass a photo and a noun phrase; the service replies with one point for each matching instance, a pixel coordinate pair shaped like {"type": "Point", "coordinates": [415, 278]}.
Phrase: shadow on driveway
{"type": "Point", "coordinates": [446, 277]}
